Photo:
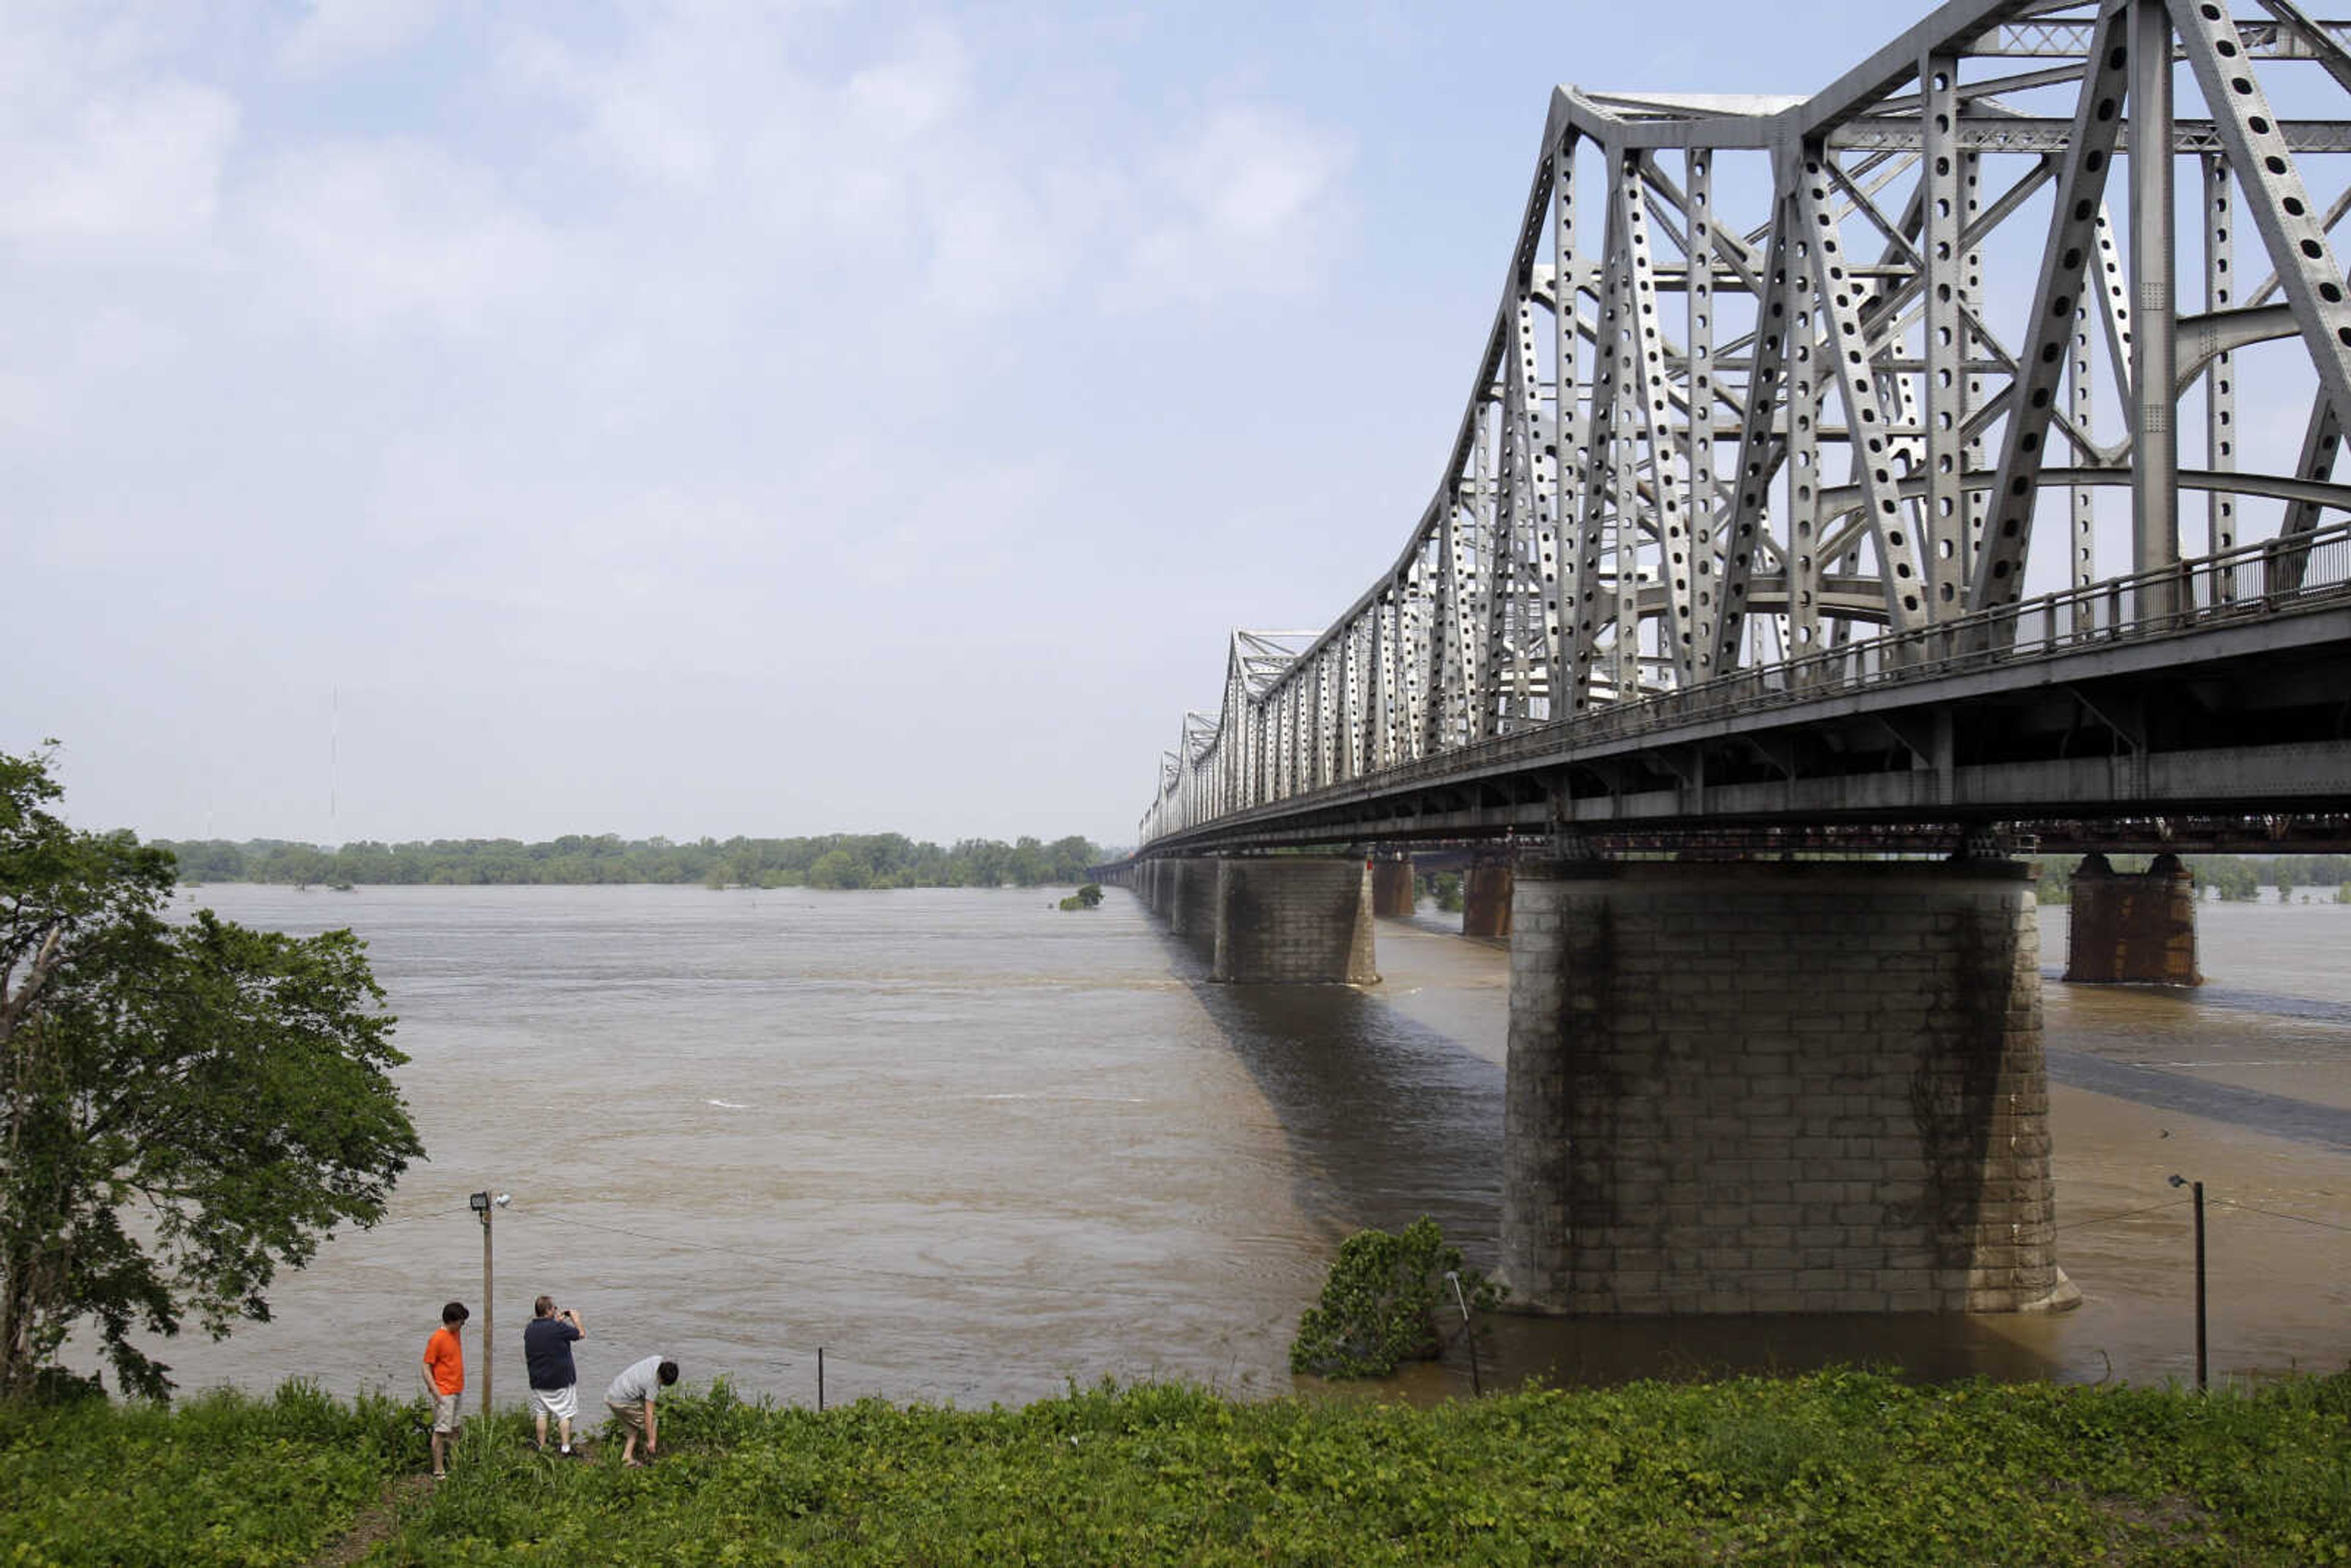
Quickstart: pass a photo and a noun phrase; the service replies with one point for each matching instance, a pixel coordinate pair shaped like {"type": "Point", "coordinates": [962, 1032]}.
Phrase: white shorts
{"type": "Point", "coordinates": [563, 1404]}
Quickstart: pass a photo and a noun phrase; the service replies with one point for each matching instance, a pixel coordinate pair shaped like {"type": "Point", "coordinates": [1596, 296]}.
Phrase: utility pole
{"type": "Point", "coordinates": [484, 1204]}
{"type": "Point", "coordinates": [2197, 1188]}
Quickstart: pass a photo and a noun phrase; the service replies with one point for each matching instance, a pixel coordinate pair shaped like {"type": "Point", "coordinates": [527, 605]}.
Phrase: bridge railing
{"type": "Point", "coordinates": [2247, 581]}
{"type": "Point", "coordinates": [2250, 581]}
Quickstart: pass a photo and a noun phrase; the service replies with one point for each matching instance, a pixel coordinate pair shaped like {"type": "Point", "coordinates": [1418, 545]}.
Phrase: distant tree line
{"type": "Point", "coordinates": [2235, 878]}
{"type": "Point", "coordinates": [831, 859]}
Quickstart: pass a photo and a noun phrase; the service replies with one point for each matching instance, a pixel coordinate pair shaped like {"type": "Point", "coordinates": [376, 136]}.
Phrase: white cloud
{"type": "Point", "coordinates": [665, 343]}
{"type": "Point", "coordinates": [130, 162]}
{"type": "Point", "coordinates": [338, 33]}
{"type": "Point", "coordinates": [370, 235]}
{"type": "Point", "coordinates": [1256, 200]}
{"type": "Point", "coordinates": [906, 96]}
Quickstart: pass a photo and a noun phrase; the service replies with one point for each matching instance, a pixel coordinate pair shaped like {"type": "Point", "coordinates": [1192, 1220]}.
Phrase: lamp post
{"type": "Point", "coordinates": [2197, 1188]}
{"type": "Point", "coordinates": [1468, 1331]}
{"type": "Point", "coordinates": [484, 1204]}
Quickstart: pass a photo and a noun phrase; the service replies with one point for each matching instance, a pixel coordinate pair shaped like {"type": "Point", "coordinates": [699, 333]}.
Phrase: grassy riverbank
{"type": "Point", "coordinates": [1839, 1466]}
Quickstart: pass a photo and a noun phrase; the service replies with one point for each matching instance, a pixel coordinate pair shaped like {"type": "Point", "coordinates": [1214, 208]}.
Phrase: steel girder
{"type": "Point", "coordinates": [1772, 376]}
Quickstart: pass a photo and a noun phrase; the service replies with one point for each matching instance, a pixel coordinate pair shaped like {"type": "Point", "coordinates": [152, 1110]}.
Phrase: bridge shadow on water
{"type": "Point", "coordinates": [1386, 1118]}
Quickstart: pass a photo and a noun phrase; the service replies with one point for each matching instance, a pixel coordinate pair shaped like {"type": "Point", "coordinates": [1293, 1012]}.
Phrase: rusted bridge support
{"type": "Point", "coordinates": [2132, 925]}
{"type": "Point", "coordinates": [1486, 897]}
{"type": "Point", "coordinates": [1294, 919]}
{"type": "Point", "coordinates": [1777, 1087]}
{"type": "Point", "coordinates": [1391, 889]}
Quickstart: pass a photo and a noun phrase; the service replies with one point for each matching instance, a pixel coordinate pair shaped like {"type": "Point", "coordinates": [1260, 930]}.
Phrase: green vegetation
{"type": "Point", "coordinates": [1384, 1301]}
{"type": "Point", "coordinates": [833, 859]}
{"type": "Point", "coordinates": [2236, 879]}
{"type": "Point", "coordinates": [1839, 1466]}
{"type": "Point", "coordinates": [1444, 887]}
{"type": "Point", "coordinates": [1086, 897]}
{"type": "Point", "coordinates": [182, 1108]}
{"type": "Point", "coordinates": [217, 1479]}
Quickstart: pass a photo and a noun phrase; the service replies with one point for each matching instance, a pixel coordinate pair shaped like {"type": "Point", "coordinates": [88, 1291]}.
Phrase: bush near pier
{"type": "Point", "coordinates": [1842, 1467]}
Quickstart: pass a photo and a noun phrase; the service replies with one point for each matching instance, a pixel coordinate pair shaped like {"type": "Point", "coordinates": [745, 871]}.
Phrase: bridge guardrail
{"type": "Point", "coordinates": [2247, 582]}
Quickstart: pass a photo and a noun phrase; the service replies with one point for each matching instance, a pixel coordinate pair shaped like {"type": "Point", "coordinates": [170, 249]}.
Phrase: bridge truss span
{"type": "Point", "coordinates": [1917, 380]}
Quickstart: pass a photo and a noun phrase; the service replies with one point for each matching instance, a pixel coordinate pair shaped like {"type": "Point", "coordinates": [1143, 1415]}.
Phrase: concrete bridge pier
{"type": "Point", "coordinates": [1803, 1086]}
{"type": "Point", "coordinates": [1150, 885]}
{"type": "Point", "coordinates": [1292, 920]}
{"type": "Point", "coordinates": [2132, 925]}
{"type": "Point", "coordinates": [1192, 898]}
{"type": "Point", "coordinates": [1486, 896]}
{"type": "Point", "coordinates": [1392, 888]}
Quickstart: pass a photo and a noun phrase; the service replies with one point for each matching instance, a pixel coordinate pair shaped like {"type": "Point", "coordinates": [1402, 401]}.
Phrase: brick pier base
{"type": "Point", "coordinates": [1768, 1088]}
{"type": "Point", "coordinates": [1292, 919]}
{"type": "Point", "coordinates": [1192, 901]}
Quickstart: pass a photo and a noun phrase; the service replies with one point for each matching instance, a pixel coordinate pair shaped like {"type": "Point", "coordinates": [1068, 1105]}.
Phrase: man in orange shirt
{"type": "Point", "coordinates": [444, 1375]}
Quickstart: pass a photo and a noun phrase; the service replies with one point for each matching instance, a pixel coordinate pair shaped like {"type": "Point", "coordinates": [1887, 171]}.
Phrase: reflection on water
{"type": "Point", "coordinates": [978, 1148]}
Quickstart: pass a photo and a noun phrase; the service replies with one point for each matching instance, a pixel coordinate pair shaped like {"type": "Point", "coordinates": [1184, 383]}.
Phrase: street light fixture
{"type": "Point", "coordinates": [2178, 1180]}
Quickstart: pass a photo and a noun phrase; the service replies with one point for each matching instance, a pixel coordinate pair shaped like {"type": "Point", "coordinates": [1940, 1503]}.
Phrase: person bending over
{"type": "Point", "coordinates": [630, 1401]}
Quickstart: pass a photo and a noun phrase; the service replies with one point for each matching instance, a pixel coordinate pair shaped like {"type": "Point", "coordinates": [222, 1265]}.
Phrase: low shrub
{"type": "Point", "coordinates": [1382, 1304]}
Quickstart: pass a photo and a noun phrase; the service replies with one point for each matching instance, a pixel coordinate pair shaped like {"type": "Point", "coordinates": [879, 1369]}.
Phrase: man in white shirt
{"type": "Point", "coordinates": [630, 1401]}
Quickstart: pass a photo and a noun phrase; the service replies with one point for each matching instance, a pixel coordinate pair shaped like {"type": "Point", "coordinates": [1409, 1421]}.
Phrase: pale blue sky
{"type": "Point", "coordinates": [670, 418]}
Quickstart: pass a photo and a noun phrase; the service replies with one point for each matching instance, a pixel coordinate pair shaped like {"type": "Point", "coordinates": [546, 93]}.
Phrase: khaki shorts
{"type": "Point", "coordinates": [632, 1415]}
{"type": "Point", "coordinates": [445, 1411]}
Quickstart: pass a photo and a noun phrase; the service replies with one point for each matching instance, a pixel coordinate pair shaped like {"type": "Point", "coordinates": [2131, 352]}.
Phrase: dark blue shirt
{"type": "Point", "coordinates": [547, 1351]}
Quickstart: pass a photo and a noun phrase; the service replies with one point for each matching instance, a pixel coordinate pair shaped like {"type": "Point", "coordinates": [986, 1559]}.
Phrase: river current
{"type": "Point", "coordinates": [976, 1149]}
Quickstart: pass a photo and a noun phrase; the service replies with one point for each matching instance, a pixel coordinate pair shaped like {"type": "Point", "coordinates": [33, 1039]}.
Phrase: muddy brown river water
{"type": "Point", "coordinates": [978, 1149]}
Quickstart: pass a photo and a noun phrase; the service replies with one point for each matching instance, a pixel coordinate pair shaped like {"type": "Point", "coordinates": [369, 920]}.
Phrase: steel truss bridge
{"type": "Point", "coordinates": [1823, 476]}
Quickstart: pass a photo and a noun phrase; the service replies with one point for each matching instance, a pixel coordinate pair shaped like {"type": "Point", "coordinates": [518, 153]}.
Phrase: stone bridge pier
{"type": "Point", "coordinates": [1271, 920]}
{"type": "Point", "coordinates": [1192, 898]}
{"type": "Point", "coordinates": [1802, 1087]}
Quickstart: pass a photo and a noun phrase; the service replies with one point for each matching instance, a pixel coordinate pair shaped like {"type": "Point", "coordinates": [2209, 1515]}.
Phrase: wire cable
{"type": "Point", "coordinates": [2126, 1214]}
{"type": "Point", "coordinates": [2276, 1214]}
{"type": "Point", "coordinates": [391, 1220]}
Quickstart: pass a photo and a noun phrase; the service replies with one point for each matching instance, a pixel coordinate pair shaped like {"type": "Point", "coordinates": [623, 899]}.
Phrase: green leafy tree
{"type": "Point", "coordinates": [1444, 887]}
{"type": "Point", "coordinates": [1028, 867]}
{"type": "Point", "coordinates": [183, 1109]}
{"type": "Point", "coordinates": [2232, 878]}
{"type": "Point", "coordinates": [874, 860]}
{"type": "Point", "coordinates": [837, 868]}
{"type": "Point", "coordinates": [1380, 1305]}
{"type": "Point", "coordinates": [1070, 858]}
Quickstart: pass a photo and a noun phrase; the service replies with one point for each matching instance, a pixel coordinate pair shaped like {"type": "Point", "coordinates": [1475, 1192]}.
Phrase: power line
{"type": "Point", "coordinates": [408, 1219]}
{"type": "Point", "coordinates": [2275, 1214]}
{"type": "Point", "coordinates": [2126, 1214]}
{"type": "Point", "coordinates": [2229, 1202]}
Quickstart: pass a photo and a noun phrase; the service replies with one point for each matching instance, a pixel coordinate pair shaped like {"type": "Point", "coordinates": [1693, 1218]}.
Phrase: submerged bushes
{"type": "Point", "coordinates": [1383, 1301]}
